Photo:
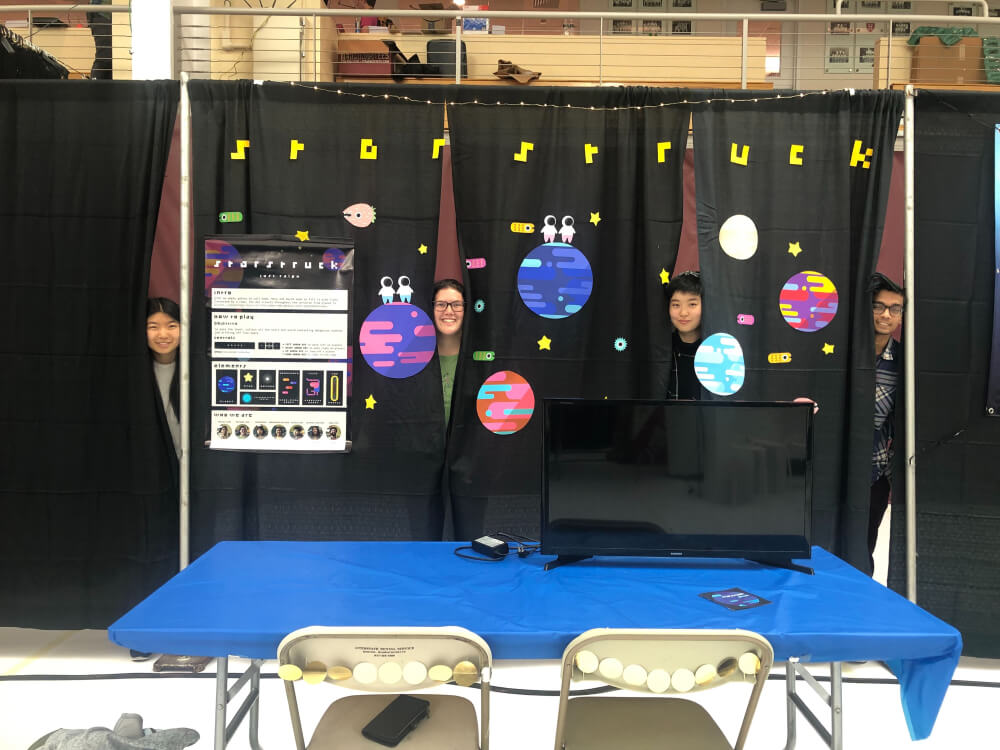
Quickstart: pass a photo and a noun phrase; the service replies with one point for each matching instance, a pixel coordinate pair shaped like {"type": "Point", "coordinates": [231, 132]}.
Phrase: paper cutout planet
{"type": "Point", "coordinates": [397, 340]}
{"type": "Point", "coordinates": [360, 214]}
{"type": "Point", "coordinates": [808, 301]}
{"type": "Point", "coordinates": [738, 237]}
{"type": "Point", "coordinates": [218, 274]}
{"type": "Point", "coordinates": [333, 258]}
{"type": "Point", "coordinates": [719, 364]}
{"type": "Point", "coordinates": [555, 280]}
{"type": "Point", "coordinates": [505, 403]}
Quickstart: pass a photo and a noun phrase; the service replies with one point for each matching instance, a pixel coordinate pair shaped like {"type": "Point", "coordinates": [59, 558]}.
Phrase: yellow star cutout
{"type": "Point", "coordinates": [422, 249]}
{"type": "Point", "coordinates": [595, 218]}
{"type": "Point", "coordinates": [827, 348]}
{"type": "Point", "coordinates": [248, 377]}
{"type": "Point", "coordinates": [544, 343]}
{"type": "Point", "coordinates": [664, 276]}
{"type": "Point", "coordinates": [370, 401]}
{"type": "Point", "coordinates": [302, 235]}
{"type": "Point", "coordinates": [794, 249]}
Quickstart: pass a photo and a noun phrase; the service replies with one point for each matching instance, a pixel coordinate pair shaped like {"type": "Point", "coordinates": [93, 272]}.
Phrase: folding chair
{"type": "Point", "coordinates": [658, 663]}
{"type": "Point", "coordinates": [388, 662]}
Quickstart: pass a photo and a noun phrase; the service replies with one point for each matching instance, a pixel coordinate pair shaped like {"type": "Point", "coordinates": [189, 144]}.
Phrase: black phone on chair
{"type": "Point", "coordinates": [396, 720]}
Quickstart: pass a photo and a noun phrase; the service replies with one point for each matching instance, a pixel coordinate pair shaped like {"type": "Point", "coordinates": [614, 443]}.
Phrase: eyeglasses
{"type": "Point", "coordinates": [880, 307]}
{"type": "Point", "coordinates": [457, 305]}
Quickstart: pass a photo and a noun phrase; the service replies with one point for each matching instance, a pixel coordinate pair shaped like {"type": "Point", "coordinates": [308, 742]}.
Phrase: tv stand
{"type": "Point", "coordinates": [564, 560]}
{"type": "Point", "coordinates": [787, 564]}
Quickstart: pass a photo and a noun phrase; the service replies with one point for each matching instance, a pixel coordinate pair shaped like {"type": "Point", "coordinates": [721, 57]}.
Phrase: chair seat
{"type": "Point", "coordinates": [640, 723]}
{"type": "Point", "coordinates": [450, 725]}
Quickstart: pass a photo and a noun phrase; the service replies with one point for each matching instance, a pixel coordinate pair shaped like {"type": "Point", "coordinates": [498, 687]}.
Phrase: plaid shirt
{"type": "Point", "coordinates": [886, 376]}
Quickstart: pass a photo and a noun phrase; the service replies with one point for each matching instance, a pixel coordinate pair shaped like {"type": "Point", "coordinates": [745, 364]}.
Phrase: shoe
{"type": "Point", "coordinates": [139, 655]}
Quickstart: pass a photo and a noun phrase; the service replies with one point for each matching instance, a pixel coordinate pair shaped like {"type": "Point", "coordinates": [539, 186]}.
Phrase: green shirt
{"type": "Point", "coordinates": [448, 364]}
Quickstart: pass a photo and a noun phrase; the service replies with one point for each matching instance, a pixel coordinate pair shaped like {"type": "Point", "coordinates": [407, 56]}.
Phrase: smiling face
{"type": "Point", "coordinates": [685, 314]}
{"type": "Point", "coordinates": [885, 321]}
{"type": "Point", "coordinates": [448, 321]}
{"type": "Point", "coordinates": [163, 335]}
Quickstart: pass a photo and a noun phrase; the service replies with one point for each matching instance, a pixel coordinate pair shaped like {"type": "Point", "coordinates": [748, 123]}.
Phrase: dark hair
{"type": "Point", "coordinates": [447, 284]}
{"type": "Point", "coordinates": [169, 307]}
{"type": "Point", "coordinates": [688, 281]}
{"type": "Point", "coordinates": [370, 3]}
{"type": "Point", "coordinates": [882, 283]}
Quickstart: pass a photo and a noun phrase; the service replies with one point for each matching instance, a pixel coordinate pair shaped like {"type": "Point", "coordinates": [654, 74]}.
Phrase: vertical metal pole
{"type": "Point", "coordinates": [458, 50]}
{"type": "Point", "coordinates": [743, 60]}
{"type": "Point", "coordinates": [184, 496]}
{"type": "Point", "coordinates": [836, 708]}
{"type": "Point", "coordinates": [789, 705]}
{"type": "Point", "coordinates": [909, 330]}
{"type": "Point", "coordinates": [255, 706]}
{"type": "Point", "coordinates": [31, 26]}
{"type": "Point", "coordinates": [221, 699]}
{"type": "Point", "coordinates": [315, 48]}
{"type": "Point", "coordinates": [888, 58]}
{"type": "Point", "coordinates": [600, 56]}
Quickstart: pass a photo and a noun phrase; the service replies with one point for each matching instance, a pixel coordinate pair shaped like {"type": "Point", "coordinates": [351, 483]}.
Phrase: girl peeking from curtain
{"type": "Point", "coordinates": [163, 335]}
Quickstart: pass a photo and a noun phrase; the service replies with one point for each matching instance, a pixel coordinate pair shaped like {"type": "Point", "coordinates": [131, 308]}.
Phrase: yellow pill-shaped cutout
{"type": "Point", "coordinates": [749, 663]}
{"type": "Point", "coordinates": [338, 673]}
{"type": "Point", "coordinates": [465, 673]}
{"type": "Point", "coordinates": [414, 672]}
{"type": "Point", "coordinates": [586, 661]}
{"type": "Point", "coordinates": [682, 680]}
{"type": "Point", "coordinates": [390, 673]}
{"type": "Point", "coordinates": [658, 681]}
{"type": "Point", "coordinates": [635, 675]}
{"type": "Point", "coordinates": [366, 673]}
{"type": "Point", "coordinates": [705, 674]}
{"type": "Point", "coordinates": [610, 668]}
{"type": "Point", "coordinates": [779, 358]}
{"type": "Point", "coordinates": [522, 227]}
{"type": "Point", "coordinates": [314, 673]}
{"type": "Point", "coordinates": [440, 673]}
{"type": "Point", "coordinates": [290, 672]}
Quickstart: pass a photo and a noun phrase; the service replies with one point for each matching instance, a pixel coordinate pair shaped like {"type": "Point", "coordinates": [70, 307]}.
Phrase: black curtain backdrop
{"type": "Point", "coordinates": [87, 492]}
{"type": "Point", "coordinates": [958, 502]}
{"type": "Point", "coordinates": [626, 207]}
{"type": "Point", "coordinates": [389, 486]}
{"type": "Point", "coordinates": [813, 211]}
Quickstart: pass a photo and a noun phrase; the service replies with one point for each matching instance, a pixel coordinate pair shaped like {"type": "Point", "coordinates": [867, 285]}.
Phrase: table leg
{"type": "Point", "coordinates": [834, 737]}
{"type": "Point", "coordinates": [221, 682]}
{"type": "Point", "coordinates": [251, 704]}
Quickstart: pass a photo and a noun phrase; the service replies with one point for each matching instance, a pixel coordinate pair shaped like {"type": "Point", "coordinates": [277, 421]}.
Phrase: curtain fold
{"type": "Point", "coordinates": [569, 209]}
{"type": "Point", "coordinates": [791, 197]}
{"type": "Point", "coordinates": [87, 492]}
{"type": "Point", "coordinates": [355, 150]}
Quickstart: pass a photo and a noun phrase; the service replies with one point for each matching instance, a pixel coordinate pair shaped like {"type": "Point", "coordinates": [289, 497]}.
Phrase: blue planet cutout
{"type": "Point", "coordinates": [719, 364]}
{"type": "Point", "coordinates": [227, 384]}
{"type": "Point", "coordinates": [555, 280]}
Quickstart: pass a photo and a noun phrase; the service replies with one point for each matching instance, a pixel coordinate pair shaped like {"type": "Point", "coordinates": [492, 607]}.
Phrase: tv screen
{"type": "Point", "coordinates": [677, 478]}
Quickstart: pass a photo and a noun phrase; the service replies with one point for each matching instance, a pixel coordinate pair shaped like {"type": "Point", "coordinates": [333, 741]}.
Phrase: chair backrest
{"type": "Point", "coordinates": [667, 662]}
{"type": "Point", "coordinates": [441, 53]}
{"type": "Point", "coordinates": [388, 660]}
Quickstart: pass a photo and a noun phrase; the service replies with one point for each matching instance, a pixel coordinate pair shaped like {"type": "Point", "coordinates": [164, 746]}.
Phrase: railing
{"type": "Point", "coordinates": [649, 47]}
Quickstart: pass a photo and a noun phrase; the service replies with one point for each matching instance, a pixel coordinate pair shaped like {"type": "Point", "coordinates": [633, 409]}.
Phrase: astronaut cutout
{"type": "Point", "coordinates": [549, 230]}
{"type": "Point", "coordinates": [566, 230]}
{"type": "Point", "coordinates": [387, 292]}
{"type": "Point", "coordinates": [405, 290]}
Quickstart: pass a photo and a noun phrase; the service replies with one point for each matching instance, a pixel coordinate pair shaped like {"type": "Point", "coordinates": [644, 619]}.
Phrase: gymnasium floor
{"type": "Point", "coordinates": [79, 679]}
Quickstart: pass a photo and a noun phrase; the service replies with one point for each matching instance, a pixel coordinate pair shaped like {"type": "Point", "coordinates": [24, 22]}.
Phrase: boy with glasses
{"type": "Point", "coordinates": [888, 303]}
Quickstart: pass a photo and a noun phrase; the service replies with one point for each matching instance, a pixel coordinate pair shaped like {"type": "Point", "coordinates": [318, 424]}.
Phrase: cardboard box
{"type": "Point", "coordinates": [962, 62]}
{"type": "Point", "coordinates": [363, 58]}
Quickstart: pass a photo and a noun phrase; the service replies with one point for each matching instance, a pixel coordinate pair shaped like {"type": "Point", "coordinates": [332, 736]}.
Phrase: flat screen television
{"type": "Point", "coordinates": [677, 479]}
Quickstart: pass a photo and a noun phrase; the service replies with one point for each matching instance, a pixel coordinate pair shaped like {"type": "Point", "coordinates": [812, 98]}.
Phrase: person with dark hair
{"type": "Point", "coordinates": [449, 312]}
{"type": "Point", "coordinates": [888, 303]}
{"type": "Point", "coordinates": [163, 336]}
{"type": "Point", "coordinates": [100, 29]}
{"type": "Point", "coordinates": [684, 305]}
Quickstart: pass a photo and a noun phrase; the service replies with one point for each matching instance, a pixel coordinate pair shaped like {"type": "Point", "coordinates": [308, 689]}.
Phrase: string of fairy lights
{"type": "Point", "coordinates": [544, 105]}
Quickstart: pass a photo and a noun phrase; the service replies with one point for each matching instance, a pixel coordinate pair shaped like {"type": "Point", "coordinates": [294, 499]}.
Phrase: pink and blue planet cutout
{"type": "Point", "coordinates": [505, 403]}
{"type": "Point", "coordinates": [397, 340]}
{"type": "Point", "coordinates": [555, 280]}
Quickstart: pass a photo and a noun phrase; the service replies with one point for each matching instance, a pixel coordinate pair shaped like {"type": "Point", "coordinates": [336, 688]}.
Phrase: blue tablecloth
{"type": "Point", "coordinates": [242, 598]}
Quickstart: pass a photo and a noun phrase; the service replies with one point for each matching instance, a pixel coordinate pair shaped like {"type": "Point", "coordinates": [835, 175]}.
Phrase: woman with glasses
{"type": "Point", "coordinates": [449, 312]}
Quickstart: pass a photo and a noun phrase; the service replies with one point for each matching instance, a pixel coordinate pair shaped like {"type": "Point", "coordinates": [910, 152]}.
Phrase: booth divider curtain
{"type": "Point", "coordinates": [958, 482]}
{"type": "Point", "coordinates": [569, 220]}
{"type": "Point", "coordinates": [791, 198]}
{"type": "Point", "coordinates": [355, 150]}
{"type": "Point", "coordinates": [88, 496]}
